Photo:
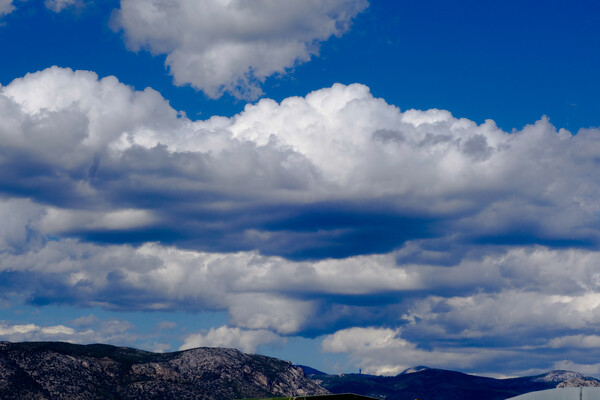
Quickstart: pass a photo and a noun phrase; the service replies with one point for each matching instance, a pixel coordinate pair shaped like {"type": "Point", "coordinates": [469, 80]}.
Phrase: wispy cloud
{"type": "Point", "coordinates": [6, 7]}
{"type": "Point", "coordinates": [61, 5]}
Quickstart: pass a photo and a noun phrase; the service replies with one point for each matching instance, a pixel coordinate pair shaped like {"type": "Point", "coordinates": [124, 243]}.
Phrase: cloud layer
{"type": "Point", "coordinates": [233, 46]}
{"type": "Point", "coordinates": [434, 238]}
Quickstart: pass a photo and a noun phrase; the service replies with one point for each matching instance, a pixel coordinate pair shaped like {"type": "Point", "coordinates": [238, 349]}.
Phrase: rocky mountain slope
{"type": "Point", "coordinates": [437, 384]}
{"type": "Point", "coordinates": [51, 370]}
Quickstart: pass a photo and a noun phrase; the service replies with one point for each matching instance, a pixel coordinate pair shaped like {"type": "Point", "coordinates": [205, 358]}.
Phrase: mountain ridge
{"type": "Point", "coordinates": [58, 370]}
{"type": "Point", "coordinates": [439, 384]}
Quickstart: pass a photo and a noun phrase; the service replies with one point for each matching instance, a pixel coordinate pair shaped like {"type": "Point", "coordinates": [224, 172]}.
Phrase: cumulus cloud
{"type": "Point", "coordinates": [12, 330]}
{"type": "Point", "coordinates": [241, 339]}
{"type": "Point", "coordinates": [6, 7]}
{"type": "Point", "coordinates": [316, 215]}
{"type": "Point", "coordinates": [258, 292]}
{"type": "Point", "coordinates": [233, 46]}
{"type": "Point", "coordinates": [337, 172]}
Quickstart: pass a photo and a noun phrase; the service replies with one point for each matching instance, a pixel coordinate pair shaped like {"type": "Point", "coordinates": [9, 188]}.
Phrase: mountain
{"type": "Point", "coordinates": [562, 378]}
{"type": "Point", "coordinates": [438, 384]}
{"type": "Point", "coordinates": [54, 370]}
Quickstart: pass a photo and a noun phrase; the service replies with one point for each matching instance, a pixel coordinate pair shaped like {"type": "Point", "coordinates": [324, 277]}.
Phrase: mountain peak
{"type": "Point", "coordinates": [52, 370]}
{"type": "Point", "coordinates": [563, 378]}
{"type": "Point", "coordinates": [558, 375]}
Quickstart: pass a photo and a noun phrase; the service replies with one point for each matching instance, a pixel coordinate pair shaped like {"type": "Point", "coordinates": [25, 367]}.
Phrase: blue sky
{"type": "Point", "coordinates": [345, 184]}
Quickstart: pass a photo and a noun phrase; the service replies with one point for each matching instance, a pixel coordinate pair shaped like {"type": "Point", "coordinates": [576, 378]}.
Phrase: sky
{"type": "Point", "coordinates": [345, 184]}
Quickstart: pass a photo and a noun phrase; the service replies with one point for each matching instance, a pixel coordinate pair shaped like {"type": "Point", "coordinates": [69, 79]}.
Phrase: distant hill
{"type": "Point", "coordinates": [53, 370]}
{"type": "Point", "coordinates": [438, 384]}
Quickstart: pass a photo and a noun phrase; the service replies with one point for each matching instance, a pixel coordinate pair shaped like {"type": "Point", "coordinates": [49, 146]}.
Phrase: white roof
{"type": "Point", "coordinates": [569, 393]}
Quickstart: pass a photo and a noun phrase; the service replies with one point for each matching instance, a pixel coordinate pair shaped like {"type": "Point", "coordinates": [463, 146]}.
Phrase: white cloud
{"type": "Point", "coordinates": [232, 46]}
{"type": "Point", "coordinates": [254, 289]}
{"type": "Point", "coordinates": [577, 341]}
{"type": "Point", "coordinates": [525, 314]}
{"type": "Point", "coordinates": [65, 111]}
{"type": "Point", "coordinates": [270, 311]}
{"type": "Point", "coordinates": [241, 339]}
{"type": "Point", "coordinates": [262, 292]}
{"type": "Point", "coordinates": [6, 7]}
{"type": "Point", "coordinates": [88, 158]}
{"type": "Point", "coordinates": [336, 144]}
{"type": "Point", "coordinates": [382, 351]}
{"type": "Point", "coordinates": [266, 297]}
{"type": "Point", "coordinates": [106, 331]}
{"type": "Point", "coordinates": [269, 292]}
{"type": "Point", "coordinates": [25, 328]}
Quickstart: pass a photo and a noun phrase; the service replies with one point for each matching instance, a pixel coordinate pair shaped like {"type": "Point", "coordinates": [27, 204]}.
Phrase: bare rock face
{"type": "Point", "coordinates": [52, 370]}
